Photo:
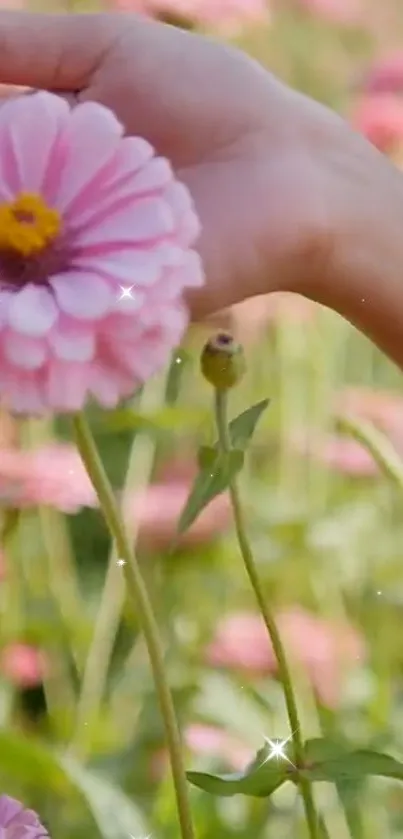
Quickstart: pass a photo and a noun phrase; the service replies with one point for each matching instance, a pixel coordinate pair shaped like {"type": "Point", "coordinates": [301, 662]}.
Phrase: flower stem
{"type": "Point", "coordinates": [139, 597]}
{"type": "Point", "coordinates": [95, 673]}
{"type": "Point", "coordinates": [283, 669]}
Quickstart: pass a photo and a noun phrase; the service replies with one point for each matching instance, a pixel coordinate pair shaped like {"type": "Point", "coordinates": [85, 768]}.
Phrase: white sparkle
{"type": "Point", "coordinates": [277, 750]}
{"type": "Point", "coordinates": [379, 592]}
{"type": "Point", "coordinates": [122, 562]}
{"type": "Point", "coordinates": [126, 292]}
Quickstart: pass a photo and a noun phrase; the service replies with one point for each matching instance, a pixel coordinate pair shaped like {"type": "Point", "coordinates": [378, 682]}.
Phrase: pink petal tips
{"type": "Point", "coordinates": [95, 256]}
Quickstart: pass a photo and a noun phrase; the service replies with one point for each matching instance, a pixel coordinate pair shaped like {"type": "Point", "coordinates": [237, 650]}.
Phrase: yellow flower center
{"type": "Point", "coordinates": [27, 225]}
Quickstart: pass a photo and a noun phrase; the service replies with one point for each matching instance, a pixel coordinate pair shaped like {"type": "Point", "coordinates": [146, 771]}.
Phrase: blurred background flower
{"type": "Point", "coordinates": [325, 650]}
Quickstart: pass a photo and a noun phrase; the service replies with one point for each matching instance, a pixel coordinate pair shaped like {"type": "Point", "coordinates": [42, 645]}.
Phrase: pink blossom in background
{"type": "Point", "coordinates": [51, 476]}
{"type": "Point", "coordinates": [204, 740]}
{"type": "Point", "coordinates": [345, 12]}
{"type": "Point", "coordinates": [23, 665]}
{"type": "Point", "coordinates": [380, 118]}
{"type": "Point", "coordinates": [84, 212]}
{"type": "Point", "coordinates": [385, 76]}
{"type": "Point", "coordinates": [227, 16]}
{"type": "Point", "coordinates": [383, 408]}
{"type": "Point", "coordinates": [18, 823]}
{"type": "Point", "coordinates": [324, 649]}
{"type": "Point", "coordinates": [346, 456]}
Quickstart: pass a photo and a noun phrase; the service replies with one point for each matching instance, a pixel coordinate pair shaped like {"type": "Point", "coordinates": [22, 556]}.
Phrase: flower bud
{"type": "Point", "coordinates": [223, 361]}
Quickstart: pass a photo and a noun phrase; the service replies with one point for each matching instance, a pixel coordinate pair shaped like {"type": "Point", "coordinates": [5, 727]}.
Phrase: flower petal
{"type": "Point", "coordinates": [22, 392]}
{"type": "Point", "coordinates": [73, 343]}
{"type": "Point", "coordinates": [9, 807]}
{"type": "Point", "coordinates": [35, 123]}
{"type": "Point", "coordinates": [32, 311]}
{"type": "Point", "coordinates": [125, 266]}
{"type": "Point", "coordinates": [122, 182]}
{"type": "Point", "coordinates": [186, 221]}
{"type": "Point", "coordinates": [23, 351]}
{"type": "Point", "coordinates": [83, 295]}
{"type": "Point", "coordinates": [93, 134]}
{"type": "Point", "coordinates": [147, 220]}
{"type": "Point", "coordinates": [67, 385]}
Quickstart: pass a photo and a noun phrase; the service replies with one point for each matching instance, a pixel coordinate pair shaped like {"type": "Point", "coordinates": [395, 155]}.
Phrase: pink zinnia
{"type": "Point", "coordinates": [53, 476]}
{"type": "Point", "coordinates": [94, 256]}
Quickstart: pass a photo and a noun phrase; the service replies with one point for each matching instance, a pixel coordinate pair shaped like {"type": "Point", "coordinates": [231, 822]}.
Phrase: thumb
{"type": "Point", "coordinates": [53, 51]}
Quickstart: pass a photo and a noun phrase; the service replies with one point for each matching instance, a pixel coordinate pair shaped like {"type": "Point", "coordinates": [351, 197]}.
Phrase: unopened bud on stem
{"type": "Point", "coordinates": [223, 361]}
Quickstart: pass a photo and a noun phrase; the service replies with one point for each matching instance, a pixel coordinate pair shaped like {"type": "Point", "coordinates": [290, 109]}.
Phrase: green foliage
{"type": "Point", "coordinates": [260, 779]}
{"type": "Point", "coordinates": [216, 473]}
{"type": "Point", "coordinates": [217, 469]}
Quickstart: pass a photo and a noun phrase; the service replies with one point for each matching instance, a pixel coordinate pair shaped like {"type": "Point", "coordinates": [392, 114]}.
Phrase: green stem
{"type": "Point", "coordinates": [139, 597]}
{"type": "Point", "coordinates": [283, 669]}
{"type": "Point", "coordinates": [95, 674]}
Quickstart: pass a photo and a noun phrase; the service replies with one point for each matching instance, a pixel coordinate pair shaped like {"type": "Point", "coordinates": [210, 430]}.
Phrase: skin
{"type": "Point", "coordinates": [290, 198]}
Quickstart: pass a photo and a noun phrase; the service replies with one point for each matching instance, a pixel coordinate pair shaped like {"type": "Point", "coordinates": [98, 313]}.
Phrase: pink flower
{"type": "Point", "coordinates": [346, 456]}
{"type": "Point", "coordinates": [158, 508]}
{"type": "Point", "coordinates": [94, 256]}
{"type": "Point", "coordinates": [326, 650]}
{"type": "Point", "coordinates": [380, 118]}
{"type": "Point", "coordinates": [18, 823]}
{"type": "Point", "coordinates": [52, 476]}
{"type": "Point", "coordinates": [386, 75]}
{"type": "Point", "coordinates": [208, 741]}
{"type": "Point", "coordinates": [23, 665]}
{"type": "Point", "coordinates": [228, 16]}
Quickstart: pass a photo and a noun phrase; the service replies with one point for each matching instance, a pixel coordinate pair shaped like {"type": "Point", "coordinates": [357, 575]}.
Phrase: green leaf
{"type": "Point", "coordinates": [242, 428]}
{"type": "Point", "coordinates": [209, 483]}
{"type": "Point", "coordinates": [260, 779]}
{"type": "Point", "coordinates": [327, 760]}
{"type": "Point", "coordinates": [28, 761]}
{"type": "Point", "coordinates": [116, 816]}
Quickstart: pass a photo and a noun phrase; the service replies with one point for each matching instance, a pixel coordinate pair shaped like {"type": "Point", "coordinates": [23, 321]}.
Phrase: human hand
{"type": "Point", "coordinates": [289, 197]}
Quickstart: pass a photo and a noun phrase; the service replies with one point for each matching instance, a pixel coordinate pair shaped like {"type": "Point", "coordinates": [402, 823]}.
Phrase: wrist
{"type": "Point", "coordinates": [362, 265]}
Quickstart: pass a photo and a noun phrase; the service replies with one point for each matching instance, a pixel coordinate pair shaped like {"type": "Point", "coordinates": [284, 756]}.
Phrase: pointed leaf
{"type": "Point", "coordinates": [260, 779]}
{"type": "Point", "coordinates": [242, 428]}
{"type": "Point", "coordinates": [209, 483]}
{"type": "Point", "coordinates": [330, 761]}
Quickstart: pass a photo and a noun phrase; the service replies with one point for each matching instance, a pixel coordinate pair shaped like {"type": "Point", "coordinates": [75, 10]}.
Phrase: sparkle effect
{"type": "Point", "coordinates": [277, 750]}
{"type": "Point", "coordinates": [121, 562]}
{"type": "Point", "coordinates": [126, 292]}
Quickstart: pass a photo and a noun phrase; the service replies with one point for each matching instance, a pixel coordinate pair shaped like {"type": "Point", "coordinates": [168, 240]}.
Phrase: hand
{"type": "Point", "coordinates": [289, 197]}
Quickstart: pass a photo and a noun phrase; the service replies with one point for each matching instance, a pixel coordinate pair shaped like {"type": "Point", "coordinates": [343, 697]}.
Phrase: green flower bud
{"type": "Point", "coordinates": [223, 361]}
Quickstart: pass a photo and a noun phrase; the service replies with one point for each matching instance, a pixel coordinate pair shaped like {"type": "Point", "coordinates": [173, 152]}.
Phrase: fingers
{"type": "Point", "coordinates": [53, 51]}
